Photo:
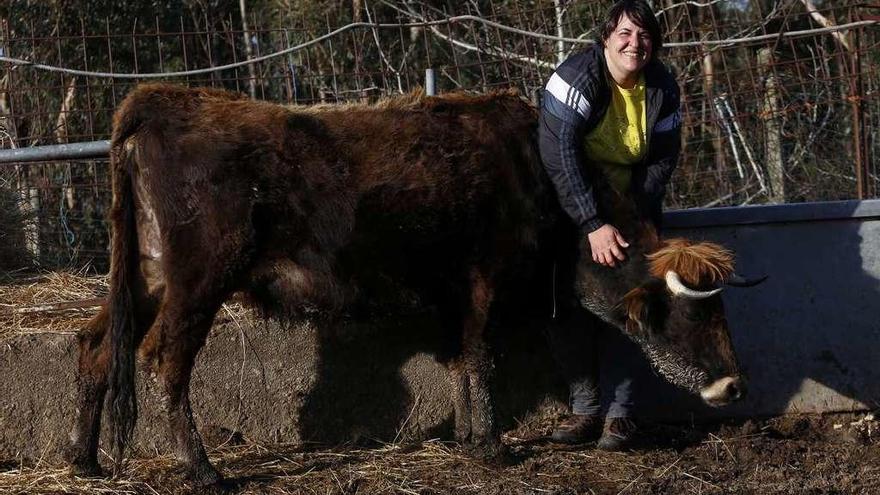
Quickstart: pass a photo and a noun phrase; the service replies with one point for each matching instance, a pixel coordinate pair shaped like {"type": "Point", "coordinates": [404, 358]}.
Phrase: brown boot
{"type": "Point", "coordinates": [577, 428]}
{"type": "Point", "coordinates": [618, 434]}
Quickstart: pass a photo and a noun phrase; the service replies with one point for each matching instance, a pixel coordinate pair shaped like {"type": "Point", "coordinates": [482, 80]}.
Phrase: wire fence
{"type": "Point", "coordinates": [784, 119]}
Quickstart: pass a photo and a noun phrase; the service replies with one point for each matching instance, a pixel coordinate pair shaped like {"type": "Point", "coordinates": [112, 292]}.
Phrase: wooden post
{"type": "Point", "coordinates": [772, 128]}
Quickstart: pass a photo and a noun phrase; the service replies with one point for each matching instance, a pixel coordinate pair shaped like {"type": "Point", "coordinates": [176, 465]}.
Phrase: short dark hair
{"type": "Point", "coordinates": [641, 14]}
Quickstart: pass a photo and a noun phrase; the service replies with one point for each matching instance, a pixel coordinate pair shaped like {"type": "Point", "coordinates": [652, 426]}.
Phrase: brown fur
{"type": "Point", "coordinates": [415, 100]}
{"type": "Point", "coordinates": [698, 264]}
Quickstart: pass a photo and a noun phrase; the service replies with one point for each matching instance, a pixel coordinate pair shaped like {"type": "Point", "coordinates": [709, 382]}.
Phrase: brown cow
{"type": "Point", "coordinates": [306, 210]}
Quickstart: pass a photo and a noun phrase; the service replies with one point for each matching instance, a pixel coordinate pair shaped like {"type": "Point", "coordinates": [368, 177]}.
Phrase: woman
{"type": "Point", "coordinates": [610, 112]}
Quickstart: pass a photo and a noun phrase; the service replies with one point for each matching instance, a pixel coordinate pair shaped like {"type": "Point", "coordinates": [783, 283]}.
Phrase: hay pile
{"type": "Point", "coordinates": [62, 302]}
{"type": "Point", "coordinates": [55, 302]}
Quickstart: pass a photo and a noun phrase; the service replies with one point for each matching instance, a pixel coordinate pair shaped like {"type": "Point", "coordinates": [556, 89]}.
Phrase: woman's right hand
{"type": "Point", "coordinates": [607, 245]}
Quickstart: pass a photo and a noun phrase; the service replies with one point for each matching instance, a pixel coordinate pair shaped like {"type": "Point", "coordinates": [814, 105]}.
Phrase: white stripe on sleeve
{"type": "Point", "coordinates": [565, 93]}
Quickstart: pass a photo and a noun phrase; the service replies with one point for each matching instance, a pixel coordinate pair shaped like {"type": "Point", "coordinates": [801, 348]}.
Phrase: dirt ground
{"type": "Point", "coordinates": [787, 455]}
{"type": "Point", "coordinates": [800, 455]}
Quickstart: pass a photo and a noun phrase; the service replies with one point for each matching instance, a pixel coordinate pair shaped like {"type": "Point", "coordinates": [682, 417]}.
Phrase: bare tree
{"type": "Point", "coordinates": [772, 128]}
{"type": "Point", "coordinates": [249, 50]}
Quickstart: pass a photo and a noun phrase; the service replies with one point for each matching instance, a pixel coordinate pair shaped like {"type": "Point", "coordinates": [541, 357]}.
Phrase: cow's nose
{"type": "Point", "coordinates": [724, 391]}
{"type": "Point", "coordinates": [735, 389]}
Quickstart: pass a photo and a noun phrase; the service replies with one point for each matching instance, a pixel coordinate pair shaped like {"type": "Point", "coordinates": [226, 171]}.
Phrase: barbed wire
{"type": "Point", "coordinates": [431, 23]}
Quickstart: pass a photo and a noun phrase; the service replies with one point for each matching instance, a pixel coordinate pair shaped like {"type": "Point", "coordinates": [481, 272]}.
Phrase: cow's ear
{"type": "Point", "coordinates": [641, 310]}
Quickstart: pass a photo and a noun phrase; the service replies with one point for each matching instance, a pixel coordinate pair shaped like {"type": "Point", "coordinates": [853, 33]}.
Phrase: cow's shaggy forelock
{"type": "Point", "coordinates": [698, 264]}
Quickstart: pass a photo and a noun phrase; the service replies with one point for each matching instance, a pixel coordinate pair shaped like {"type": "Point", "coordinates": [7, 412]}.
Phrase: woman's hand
{"type": "Point", "coordinates": [607, 245]}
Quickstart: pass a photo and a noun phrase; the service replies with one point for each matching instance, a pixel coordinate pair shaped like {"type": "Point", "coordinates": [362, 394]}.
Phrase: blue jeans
{"type": "Point", "coordinates": [593, 356]}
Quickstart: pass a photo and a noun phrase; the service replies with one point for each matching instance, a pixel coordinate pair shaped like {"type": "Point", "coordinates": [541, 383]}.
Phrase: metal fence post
{"type": "Point", "coordinates": [430, 83]}
{"type": "Point", "coordinates": [859, 142]}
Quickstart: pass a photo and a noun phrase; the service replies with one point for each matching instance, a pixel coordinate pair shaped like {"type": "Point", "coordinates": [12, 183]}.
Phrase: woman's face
{"type": "Point", "coordinates": [627, 49]}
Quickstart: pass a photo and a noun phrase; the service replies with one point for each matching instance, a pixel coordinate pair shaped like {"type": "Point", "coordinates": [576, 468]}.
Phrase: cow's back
{"type": "Point", "coordinates": [438, 169]}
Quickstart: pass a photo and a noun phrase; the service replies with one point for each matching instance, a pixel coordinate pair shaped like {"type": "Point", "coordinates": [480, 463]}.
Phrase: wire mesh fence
{"type": "Point", "coordinates": [777, 118]}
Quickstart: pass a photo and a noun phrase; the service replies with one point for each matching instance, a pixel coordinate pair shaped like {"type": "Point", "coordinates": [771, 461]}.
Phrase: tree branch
{"type": "Point", "coordinates": [825, 22]}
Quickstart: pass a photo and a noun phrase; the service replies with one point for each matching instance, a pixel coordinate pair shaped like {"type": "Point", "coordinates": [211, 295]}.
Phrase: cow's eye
{"type": "Point", "coordinates": [695, 314]}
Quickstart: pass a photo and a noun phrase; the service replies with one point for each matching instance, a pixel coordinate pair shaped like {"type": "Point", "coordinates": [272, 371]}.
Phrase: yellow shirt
{"type": "Point", "coordinates": [618, 141]}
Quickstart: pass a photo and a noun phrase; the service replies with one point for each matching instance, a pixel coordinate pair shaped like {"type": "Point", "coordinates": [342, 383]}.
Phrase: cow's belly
{"type": "Point", "coordinates": [149, 241]}
{"type": "Point", "coordinates": [396, 282]}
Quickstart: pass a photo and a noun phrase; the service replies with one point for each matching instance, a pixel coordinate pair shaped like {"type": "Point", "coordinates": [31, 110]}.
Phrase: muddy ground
{"type": "Point", "coordinates": [782, 455]}
{"type": "Point", "coordinates": [787, 455]}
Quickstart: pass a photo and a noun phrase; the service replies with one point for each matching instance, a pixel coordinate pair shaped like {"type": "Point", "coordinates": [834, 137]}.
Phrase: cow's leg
{"type": "Point", "coordinates": [478, 363]}
{"type": "Point", "coordinates": [461, 399]}
{"type": "Point", "coordinates": [170, 351]}
{"type": "Point", "coordinates": [94, 366]}
{"type": "Point", "coordinates": [82, 453]}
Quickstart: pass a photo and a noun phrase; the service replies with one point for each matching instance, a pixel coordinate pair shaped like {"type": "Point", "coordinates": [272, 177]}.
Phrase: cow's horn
{"type": "Point", "coordinates": [737, 280]}
{"type": "Point", "coordinates": [677, 287]}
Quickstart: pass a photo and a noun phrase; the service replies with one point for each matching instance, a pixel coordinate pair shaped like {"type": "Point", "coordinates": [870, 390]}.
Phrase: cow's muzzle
{"type": "Point", "coordinates": [724, 391]}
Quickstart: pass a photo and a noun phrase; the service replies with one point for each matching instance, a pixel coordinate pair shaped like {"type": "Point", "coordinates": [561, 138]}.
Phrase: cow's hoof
{"type": "Point", "coordinates": [492, 451]}
{"type": "Point", "coordinates": [204, 476]}
{"type": "Point", "coordinates": [86, 470]}
{"type": "Point", "coordinates": [222, 487]}
{"type": "Point", "coordinates": [81, 464]}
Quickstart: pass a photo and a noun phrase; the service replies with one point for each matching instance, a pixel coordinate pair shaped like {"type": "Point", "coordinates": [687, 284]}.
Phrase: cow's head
{"type": "Point", "coordinates": [677, 317]}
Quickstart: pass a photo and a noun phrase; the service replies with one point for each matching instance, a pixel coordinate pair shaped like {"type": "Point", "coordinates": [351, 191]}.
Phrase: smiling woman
{"type": "Point", "coordinates": [610, 117]}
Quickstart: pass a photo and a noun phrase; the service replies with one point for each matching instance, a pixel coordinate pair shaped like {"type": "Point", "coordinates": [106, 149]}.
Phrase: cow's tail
{"type": "Point", "coordinates": [121, 399]}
